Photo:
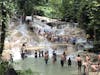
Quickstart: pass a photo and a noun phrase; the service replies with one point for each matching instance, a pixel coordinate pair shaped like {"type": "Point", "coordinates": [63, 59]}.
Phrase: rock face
{"type": "Point", "coordinates": [21, 34]}
{"type": "Point", "coordinates": [16, 38]}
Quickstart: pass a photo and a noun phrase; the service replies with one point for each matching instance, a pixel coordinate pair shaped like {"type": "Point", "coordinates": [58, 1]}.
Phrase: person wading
{"type": "Point", "coordinates": [39, 53]}
{"type": "Point", "coordinates": [64, 54]}
{"type": "Point", "coordinates": [35, 54]}
{"type": "Point", "coordinates": [23, 50]}
{"type": "Point", "coordinates": [62, 60]}
{"type": "Point", "coordinates": [54, 57]}
{"type": "Point", "coordinates": [46, 57]}
{"type": "Point", "coordinates": [99, 58]}
{"type": "Point", "coordinates": [86, 67]}
{"type": "Point", "coordinates": [69, 62]}
{"type": "Point", "coordinates": [87, 58]}
{"type": "Point", "coordinates": [42, 53]}
{"type": "Point", "coordinates": [88, 62]}
{"type": "Point", "coordinates": [79, 63]}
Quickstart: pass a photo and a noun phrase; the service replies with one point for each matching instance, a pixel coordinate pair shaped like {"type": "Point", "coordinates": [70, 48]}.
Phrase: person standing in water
{"type": "Point", "coordinates": [64, 54]}
{"type": "Point", "coordinates": [35, 54]}
{"type": "Point", "coordinates": [99, 58]}
{"type": "Point", "coordinates": [79, 63]}
{"type": "Point", "coordinates": [86, 67]}
{"type": "Point", "coordinates": [54, 57]}
{"type": "Point", "coordinates": [39, 53]}
{"type": "Point", "coordinates": [46, 57]}
{"type": "Point", "coordinates": [87, 58]}
{"type": "Point", "coordinates": [23, 50]}
{"type": "Point", "coordinates": [62, 60]}
{"type": "Point", "coordinates": [42, 53]}
{"type": "Point", "coordinates": [88, 63]}
{"type": "Point", "coordinates": [69, 62]}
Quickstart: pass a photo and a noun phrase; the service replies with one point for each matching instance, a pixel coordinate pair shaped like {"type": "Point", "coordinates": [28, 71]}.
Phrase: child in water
{"type": "Point", "coordinates": [69, 62]}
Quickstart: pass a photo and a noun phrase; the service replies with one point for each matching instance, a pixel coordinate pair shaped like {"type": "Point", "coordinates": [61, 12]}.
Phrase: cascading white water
{"type": "Point", "coordinates": [26, 37]}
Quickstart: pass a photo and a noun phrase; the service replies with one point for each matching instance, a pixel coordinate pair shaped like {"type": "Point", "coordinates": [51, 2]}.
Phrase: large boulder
{"type": "Point", "coordinates": [11, 71]}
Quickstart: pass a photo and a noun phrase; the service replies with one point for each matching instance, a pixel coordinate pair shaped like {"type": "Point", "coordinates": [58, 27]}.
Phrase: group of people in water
{"type": "Point", "coordinates": [54, 57]}
{"type": "Point", "coordinates": [86, 62]}
{"type": "Point", "coordinates": [45, 55]}
{"type": "Point", "coordinates": [81, 61]}
{"type": "Point", "coordinates": [52, 37]}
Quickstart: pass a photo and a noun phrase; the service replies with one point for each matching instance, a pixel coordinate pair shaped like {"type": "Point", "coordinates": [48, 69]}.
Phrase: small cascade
{"type": "Point", "coordinates": [20, 34]}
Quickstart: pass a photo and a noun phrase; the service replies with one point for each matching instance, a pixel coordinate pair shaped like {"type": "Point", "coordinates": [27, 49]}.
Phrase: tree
{"type": "Point", "coordinates": [3, 27]}
{"type": "Point", "coordinates": [88, 16]}
{"type": "Point", "coordinates": [68, 9]}
{"type": "Point", "coordinates": [6, 11]}
{"type": "Point", "coordinates": [27, 6]}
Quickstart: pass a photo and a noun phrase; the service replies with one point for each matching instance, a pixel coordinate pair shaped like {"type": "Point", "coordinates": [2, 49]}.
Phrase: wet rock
{"type": "Point", "coordinates": [11, 71]}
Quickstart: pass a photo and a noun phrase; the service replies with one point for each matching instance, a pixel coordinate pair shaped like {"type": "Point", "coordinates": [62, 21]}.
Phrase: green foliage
{"type": "Point", "coordinates": [55, 5]}
{"type": "Point", "coordinates": [9, 6]}
{"type": "Point", "coordinates": [85, 12]}
{"type": "Point", "coordinates": [51, 8]}
{"type": "Point", "coordinates": [48, 11]}
{"type": "Point", "coordinates": [6, 7]}
{"type": "Point", "coordinates": [88, 16]}
{"type": "Point", "coordinates": [3, 67]}
{"type": "Point", "coordinates": [67, 6]}
{"type": "Point", "coordinates": [27, 6]}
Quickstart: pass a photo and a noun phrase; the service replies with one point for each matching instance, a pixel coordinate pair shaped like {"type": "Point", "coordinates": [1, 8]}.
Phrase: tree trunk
{"type": "Point", "coordinates": [3, 29]}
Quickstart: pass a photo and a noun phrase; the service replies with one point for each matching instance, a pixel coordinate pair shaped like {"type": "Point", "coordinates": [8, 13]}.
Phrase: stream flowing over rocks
{"type": "Point", "coordinates": [37, 39]}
